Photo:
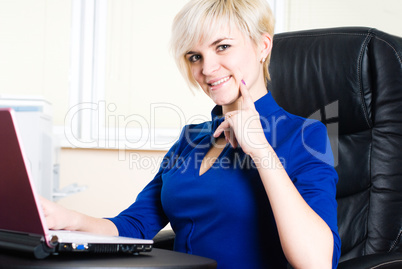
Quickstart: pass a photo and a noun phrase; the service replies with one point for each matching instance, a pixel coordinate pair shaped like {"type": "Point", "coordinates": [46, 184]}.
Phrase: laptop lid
{"type": "Point", "coordinates": [17, 198]}
{"type": "Point", "coordinates": [21, 214]}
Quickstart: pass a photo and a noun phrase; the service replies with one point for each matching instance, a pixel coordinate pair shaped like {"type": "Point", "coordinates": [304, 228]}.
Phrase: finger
{"type": "Point", "coordinates": [244, 92]}
{"type": "Point", "coordinates": [50, 223]}
{"type": "Point", "coordinates": [233, 141]}
{"type": "Point", "coordinates": [45, 205]}
{"type": "Point", "coordinates": [225, 124]}
{"type": "Point", "coordinates": [227, 135]}
{"type": "Point", "coordinates": [229, 132]}
{"type": "Point", "coordinates": [221, 128]}
{"type": "Point", "coordinates": [230, 138]}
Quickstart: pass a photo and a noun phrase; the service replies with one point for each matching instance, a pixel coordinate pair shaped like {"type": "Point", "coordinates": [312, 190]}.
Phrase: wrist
{"type": "Point", "coordinates": [260, 152]}
{"type": "Point", "coordinates": [77, 221]}
{"type": "Point", "coordinates": [266, 158]}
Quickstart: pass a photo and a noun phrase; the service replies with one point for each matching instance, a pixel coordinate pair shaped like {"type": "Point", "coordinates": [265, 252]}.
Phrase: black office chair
{"type": "Point", "coordinates": [351, 80]}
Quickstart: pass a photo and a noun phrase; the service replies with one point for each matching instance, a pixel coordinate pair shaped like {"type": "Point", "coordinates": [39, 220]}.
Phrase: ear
{"type": "Point", "coordinates": [265, 45]}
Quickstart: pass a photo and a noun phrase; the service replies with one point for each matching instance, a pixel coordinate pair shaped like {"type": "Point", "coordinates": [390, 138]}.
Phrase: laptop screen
{"type": "Point", "coordinates": [18, 211]}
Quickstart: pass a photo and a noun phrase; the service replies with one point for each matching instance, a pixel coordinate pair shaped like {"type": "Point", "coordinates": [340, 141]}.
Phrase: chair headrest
{"type": "Point", "coordinates": [352, 65]}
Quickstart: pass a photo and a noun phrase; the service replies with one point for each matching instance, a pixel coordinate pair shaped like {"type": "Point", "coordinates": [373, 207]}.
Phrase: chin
{"type": "Point", "coordinates": [224, 96]}
{"type": "Point", "coordinates": [225, 100]}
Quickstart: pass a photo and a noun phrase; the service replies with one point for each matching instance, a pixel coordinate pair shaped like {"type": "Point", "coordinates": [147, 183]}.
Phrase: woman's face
{"type": "Point", "coordinates": [216, 64]}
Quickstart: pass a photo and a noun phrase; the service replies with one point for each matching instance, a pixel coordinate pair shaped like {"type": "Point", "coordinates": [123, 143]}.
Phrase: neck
{"type": "Point", "coordinates": [236, 105]}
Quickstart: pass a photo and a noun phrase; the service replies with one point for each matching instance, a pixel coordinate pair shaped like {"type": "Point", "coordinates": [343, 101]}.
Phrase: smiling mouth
{"type": "Point", "coordinates": [223, 80]}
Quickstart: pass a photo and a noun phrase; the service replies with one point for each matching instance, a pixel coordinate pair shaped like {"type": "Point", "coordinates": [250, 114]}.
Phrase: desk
{"type": "Point", "coordinates": [157, 258]}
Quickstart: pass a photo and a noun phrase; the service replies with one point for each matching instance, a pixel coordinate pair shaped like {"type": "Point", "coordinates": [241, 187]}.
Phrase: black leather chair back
{"type": "Point", "coordinates": [351, 79]}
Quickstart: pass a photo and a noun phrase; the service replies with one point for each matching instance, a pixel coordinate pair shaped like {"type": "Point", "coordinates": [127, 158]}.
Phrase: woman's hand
{"type": "Point", "coordinates": [243, 127]}
{"type": "Point", "coordinates": [59, 217]}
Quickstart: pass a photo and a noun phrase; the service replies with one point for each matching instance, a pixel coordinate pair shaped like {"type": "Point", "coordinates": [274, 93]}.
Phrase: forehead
{"type": "Point", "coordinates": [212, 33]}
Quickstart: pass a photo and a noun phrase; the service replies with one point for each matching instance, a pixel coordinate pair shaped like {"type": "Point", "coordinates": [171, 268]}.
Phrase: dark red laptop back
{"type": "Point", "coordinates": [18, 211]}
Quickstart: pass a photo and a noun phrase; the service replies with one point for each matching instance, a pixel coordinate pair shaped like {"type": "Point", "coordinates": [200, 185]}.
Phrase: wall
{"type": "Point", "coordinates": [113, 179]}
{"type": "Point", "coordinates": [35, 50]}
{"type": "Point", "coordinates": [384, 15]}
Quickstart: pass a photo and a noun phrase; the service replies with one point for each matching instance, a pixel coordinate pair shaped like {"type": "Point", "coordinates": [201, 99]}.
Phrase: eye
{"type": "Point", "coordinates": [223, 47]}
{"type": "Point", "coordinates": [194, 58]}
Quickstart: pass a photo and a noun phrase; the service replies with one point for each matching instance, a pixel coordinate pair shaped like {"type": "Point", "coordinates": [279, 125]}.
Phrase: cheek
{"type": "Point", "coordinates": [233, 62]}
{"type": "Point", "coordinates": [199, 78]}
{"type": "Point", "coordinates": [249, 66]}
{"type": "Point", "coordinates": [196, 72]}
{"type": "Point", "coordinates": [243, 62]}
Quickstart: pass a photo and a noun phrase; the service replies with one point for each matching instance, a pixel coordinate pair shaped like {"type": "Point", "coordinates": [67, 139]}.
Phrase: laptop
{"type": "Point", "coordinates": [22, 224]}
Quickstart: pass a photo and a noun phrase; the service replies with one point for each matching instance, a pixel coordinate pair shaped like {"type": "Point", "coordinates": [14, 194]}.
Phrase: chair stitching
{"type": "Point", "coordinates": [360, 60]}
{"type": "Point", "coordinates": [369, 193]}
{"type": "Point", "coordinates": [385, 263]}
{"type": "Point", "coordinates": [396, 241]}
{"type": "Point", "coordinates": [314, 35]}
{"type": "Point", "coordinates": [344, 33]}
{"type": "Point", "coordinates": [392, 47]}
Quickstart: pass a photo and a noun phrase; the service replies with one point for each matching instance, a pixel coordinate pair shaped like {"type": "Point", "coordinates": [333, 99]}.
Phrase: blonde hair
{"type": "Point", "coordinates": [199, 19]}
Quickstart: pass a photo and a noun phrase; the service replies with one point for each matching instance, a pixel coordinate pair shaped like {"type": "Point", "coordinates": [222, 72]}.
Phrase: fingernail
{"type": "Point", "coordinates": [242, 81]}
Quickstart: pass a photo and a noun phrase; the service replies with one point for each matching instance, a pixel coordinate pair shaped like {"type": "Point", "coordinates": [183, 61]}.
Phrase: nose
{"type": "Point", "coordinates": [210, 65]}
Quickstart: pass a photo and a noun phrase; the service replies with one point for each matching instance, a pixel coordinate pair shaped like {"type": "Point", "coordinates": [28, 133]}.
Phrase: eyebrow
{"type": "Point", "coordinates": [219, 41]}
{"type": "Point", "coordinates": [212, 44]}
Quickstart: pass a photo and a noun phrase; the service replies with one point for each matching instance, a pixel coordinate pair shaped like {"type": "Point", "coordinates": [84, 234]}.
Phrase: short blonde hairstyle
{"type": "Point", "coordinates": [199, 19]}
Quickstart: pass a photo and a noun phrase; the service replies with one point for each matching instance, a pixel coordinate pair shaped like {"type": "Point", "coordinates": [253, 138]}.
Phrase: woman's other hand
{"type": "Point", "coordinates": [243, 127]}
{"type": "Point", "coordinates": [59, 217]}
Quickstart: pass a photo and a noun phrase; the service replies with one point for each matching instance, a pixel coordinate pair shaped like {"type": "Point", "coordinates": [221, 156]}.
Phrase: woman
{"type": "Point", "coordinates": [242, 188]}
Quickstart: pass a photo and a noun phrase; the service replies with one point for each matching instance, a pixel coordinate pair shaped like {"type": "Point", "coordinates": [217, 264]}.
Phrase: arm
{"type": "Point", "coordinates": [61, 218]}
{"type": "Point", "coordinates": [143, 219]}
{"type": "Point", "coordinates": [306, 239]}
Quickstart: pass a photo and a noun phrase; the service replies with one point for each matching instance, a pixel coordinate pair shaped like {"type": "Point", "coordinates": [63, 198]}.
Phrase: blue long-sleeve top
{"type": "Point", "coordinates": [225, 214]}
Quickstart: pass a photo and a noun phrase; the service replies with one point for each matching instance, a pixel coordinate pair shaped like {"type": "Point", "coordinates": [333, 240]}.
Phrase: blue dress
{"type": "Point", "coordinates": [224, 214]}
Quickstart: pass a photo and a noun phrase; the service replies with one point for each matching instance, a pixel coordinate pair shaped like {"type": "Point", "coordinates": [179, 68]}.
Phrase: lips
{"type": "Point", "coordinates": [218, 82]}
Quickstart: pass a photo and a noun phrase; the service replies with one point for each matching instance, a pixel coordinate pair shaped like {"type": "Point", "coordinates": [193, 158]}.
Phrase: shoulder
{"type": "Point", "coordinates": [286, 131]}
{"type": "Point", "coordinates": [302, 141]}
{"type": "Point", "coordinates": [192, 132]}
{"type": "Point", "coordinates": [312, 139]}
{"type": "Point", "coordinates": [298, 129]}
{"type": "Point", "coordinates": [300, 124]}
{"type": "Point", "coordinates": [190, 135]}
